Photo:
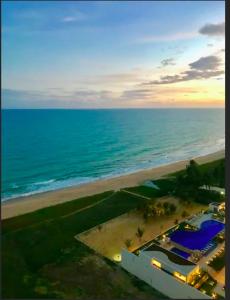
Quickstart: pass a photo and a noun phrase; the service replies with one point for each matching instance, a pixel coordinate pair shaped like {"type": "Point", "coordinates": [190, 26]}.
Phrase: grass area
{"type": "Point", "coordinates": [51, 212]}
{"type": "Point", "coordinates": [219, 262]}
{"type": "Point", "coordinates": [144, 191]}
{"type": "Point", "coordinates": [43, 260]}
{"type": "Point", "coordinates": [41, 244]}
{"type": "Point", "coordinates": [165, 186]}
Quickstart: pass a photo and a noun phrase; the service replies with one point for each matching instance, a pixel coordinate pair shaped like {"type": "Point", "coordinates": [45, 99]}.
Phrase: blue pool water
{"type": "Point", "coordinates": [197, 239]}
{"type": "Point", "coordinates": [180, 252]}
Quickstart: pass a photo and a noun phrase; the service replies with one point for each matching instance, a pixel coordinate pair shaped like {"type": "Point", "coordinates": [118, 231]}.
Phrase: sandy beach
{"type": "Point", "coordinates": [110, 239]}
{"type": "Point", "coordinates": [31, 203]}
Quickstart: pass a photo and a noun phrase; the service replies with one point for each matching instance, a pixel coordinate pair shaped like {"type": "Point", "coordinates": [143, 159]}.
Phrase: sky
{"type": "Point", "coordinates": [113, 54]}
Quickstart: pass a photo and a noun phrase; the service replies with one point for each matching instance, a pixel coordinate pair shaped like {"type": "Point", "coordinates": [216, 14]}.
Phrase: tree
{"type": "Point", "coordinates": [172, 208]}
{"type": "Point", "coordinates": [165, 205]}
{"type": "Point", "coordinates": [184, 214]}
{"type": "Point", "coordinates": [153, 211]}
{"type": "Point", "coordinates": [222, 174]}
{"type": "Point", "coordinates": [207, 180]}
{"type": "Point", "coordinates": [139, 233]}
{"type": "Point", "coordinates": [193, 173]}
{"type": "Point", "coordinates": [128, 243]}
{"type": "Point", "coordinates": [159, 205]}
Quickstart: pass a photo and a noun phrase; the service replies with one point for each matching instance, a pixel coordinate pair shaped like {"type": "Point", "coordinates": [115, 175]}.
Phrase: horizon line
{"type": "Point", "coordinates": [113, 108]}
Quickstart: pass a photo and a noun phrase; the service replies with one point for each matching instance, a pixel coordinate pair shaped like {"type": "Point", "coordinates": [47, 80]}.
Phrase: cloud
{"type": "Point", "coordinates": [211, 62]}
{"type": "Point", "coordinates": [136, 94]}
{"type": "Point", "coordinates": [203, 68]}
{"type": "Point", "coordinates": [77, 16]}
{"type": "Point", "coordinates": [186, 76]}
{"type": "Point", "coordinates": [213, 29]}
{"type": "Point", "coordinates": [34, 99]}
{"type": "Point", "coordinates": [168, 62]}
{"type": "Point", "coordinates": [117, 80]}
{"type": "Point", "coordinates": [69, 19]}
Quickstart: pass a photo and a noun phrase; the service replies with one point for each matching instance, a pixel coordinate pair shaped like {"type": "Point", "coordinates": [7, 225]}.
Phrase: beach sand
{"type": "Point", "coordinates": [31, 203]}
{"type": "Point", "coordinates": [110, 239]}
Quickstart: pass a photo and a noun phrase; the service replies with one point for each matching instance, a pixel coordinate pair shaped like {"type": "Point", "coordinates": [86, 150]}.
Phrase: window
{"type": "Point", "coordinates": [180, 276]}
{"type": "Point", "coordinates": [156, 263]}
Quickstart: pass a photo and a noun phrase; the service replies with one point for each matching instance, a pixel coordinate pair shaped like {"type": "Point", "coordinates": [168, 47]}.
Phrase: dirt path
{"type": "Point", "coordinates": [135, 194]}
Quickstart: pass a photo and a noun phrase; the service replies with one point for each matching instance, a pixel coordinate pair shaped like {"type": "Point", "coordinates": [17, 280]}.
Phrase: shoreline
{"type": "Point", "coordinates": [22, 205]}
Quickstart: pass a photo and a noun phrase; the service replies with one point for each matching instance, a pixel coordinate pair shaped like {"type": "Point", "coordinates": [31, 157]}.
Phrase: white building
{"type": "Point", "coordinates": [217, 207]}
{"type": "Point", "coordinates": [214, 189]}
{"type": "Point", "coordinates": [164, 271]}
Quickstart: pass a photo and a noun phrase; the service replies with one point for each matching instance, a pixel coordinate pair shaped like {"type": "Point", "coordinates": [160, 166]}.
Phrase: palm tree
{"type": "Point", "coordinates": [184, 214]}
{"type": "Point", "coordinates": [172, 208]}
{"type": "Point", "coordinates": [165, 205]}
{"type": "Point", "coordinates": [158, 205]}
{"type": "Point", "coordinates": [207, 180]}
{"type": "Point", "coordinates": [139, 233]}
{"type": "Point", "coordinates": [128, 243]}
{"type": "Point", "coordinates": [193, 173]}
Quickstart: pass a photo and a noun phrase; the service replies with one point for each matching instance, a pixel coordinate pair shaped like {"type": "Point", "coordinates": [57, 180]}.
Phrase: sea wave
{"type": "Point", "coordinates": [49, 185]}
{"type": "Point", "coordinates": [44, 182]}
{"type": "Point", "coordinates": [188, 151]}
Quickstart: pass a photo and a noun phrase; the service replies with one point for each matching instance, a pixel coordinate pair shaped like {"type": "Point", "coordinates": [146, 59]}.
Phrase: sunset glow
{"type": "Point", "coordinates": [113, 54]}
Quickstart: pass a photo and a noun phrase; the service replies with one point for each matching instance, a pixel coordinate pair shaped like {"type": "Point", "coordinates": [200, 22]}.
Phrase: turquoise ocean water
{"type": "Point", "coordinates": [45, 150]}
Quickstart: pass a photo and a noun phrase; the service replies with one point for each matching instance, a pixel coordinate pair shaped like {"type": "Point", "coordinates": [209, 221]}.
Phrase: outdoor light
{"type": "Point", "coordinates": [117, 257]}
{"type": "Point", "coordinates": [213, 295]}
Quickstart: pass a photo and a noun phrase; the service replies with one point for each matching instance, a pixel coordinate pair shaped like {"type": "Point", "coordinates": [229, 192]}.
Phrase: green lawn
{"type": "Point", "coordinates": [33, 255]}
{"type": "Point", "coordinates": [51, 212]}
{"type": "Point", "coordinates": [144, 191]}
{"type": "Point", "coordinates": [165, 186]}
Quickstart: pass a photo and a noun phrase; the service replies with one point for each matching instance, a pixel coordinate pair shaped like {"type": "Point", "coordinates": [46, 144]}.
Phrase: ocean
{"type": "Point", "coordinates": [45, 150]}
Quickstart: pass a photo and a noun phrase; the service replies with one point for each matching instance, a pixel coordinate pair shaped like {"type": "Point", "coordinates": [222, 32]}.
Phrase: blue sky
{"type": "Point", "coordinates": [102, 54]}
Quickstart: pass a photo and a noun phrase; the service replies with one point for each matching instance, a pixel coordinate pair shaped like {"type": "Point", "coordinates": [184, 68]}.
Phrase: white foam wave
{"type": "Point", "coordinates": [44, 182]}
{"type": "Point", "coordinates": [187, 152]}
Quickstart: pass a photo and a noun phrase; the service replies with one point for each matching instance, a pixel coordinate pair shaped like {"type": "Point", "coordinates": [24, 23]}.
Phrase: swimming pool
{"type": "Point", "coordinates": [180, 252]}
{"type": "Point", "coordinates": [198, 239]}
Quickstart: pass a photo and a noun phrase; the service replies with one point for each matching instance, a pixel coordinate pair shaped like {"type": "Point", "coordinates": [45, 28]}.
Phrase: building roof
{"type": "Point", "coordinates": [170, 259]}
{"type": "Point", "coordinates": [171, 255]}
{"type": "Point", "coordinates": [215, 204]}
{"type": "Point", "coordinates": [213, 188]}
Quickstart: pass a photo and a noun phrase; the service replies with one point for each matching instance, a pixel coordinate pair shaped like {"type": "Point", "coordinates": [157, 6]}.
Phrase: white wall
{"type": "Point", "coordinates": [168, 285]}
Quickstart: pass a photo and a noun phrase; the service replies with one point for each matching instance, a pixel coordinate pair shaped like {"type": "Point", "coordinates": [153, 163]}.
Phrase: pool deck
{"type": "Point", "coordinates": [199, 219]}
